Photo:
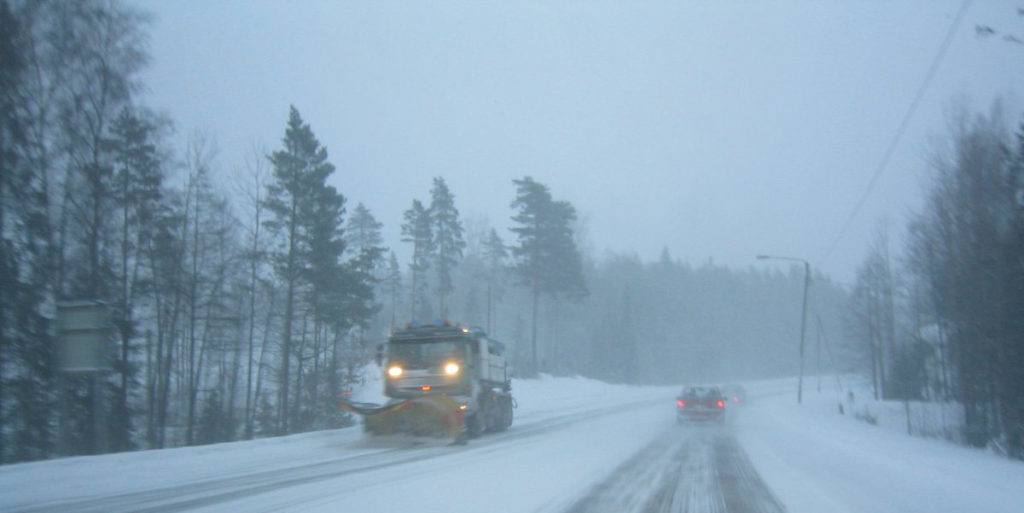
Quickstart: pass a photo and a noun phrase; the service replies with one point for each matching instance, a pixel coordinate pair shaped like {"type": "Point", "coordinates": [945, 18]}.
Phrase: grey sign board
{"type": "Point", "coordinates": [84, 334]}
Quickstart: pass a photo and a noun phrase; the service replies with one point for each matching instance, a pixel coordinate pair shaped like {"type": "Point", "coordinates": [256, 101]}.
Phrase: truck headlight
{"type": "Point", "coordinates": [394, 371]}
{"type": "Point", "coordinates": [451, 369]}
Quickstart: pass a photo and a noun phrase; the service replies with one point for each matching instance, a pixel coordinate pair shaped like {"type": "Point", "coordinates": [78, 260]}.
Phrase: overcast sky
{"type": "Point", "coordinates": [719, 132]}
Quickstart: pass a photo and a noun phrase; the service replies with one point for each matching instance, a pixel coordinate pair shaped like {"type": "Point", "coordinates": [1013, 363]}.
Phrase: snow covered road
{"type": "Point", "coordinates": [576, 446]}
{"type": "Point", "coordinates": [687, 469]}
{"type": "Point", "coordinates": [556, 448]}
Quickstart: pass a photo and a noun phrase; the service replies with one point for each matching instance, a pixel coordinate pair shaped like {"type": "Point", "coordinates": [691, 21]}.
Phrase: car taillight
{"type": "Point", "coordinates": [720, 403]}
{"type": "Point", "coordinates": [681, 403]}
{"type": "Point", "coordinates": [735, 398]}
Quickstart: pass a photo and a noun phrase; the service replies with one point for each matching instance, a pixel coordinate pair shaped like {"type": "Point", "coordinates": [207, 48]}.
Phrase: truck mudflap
{"type": "Point", "coordinates": [434, 416]}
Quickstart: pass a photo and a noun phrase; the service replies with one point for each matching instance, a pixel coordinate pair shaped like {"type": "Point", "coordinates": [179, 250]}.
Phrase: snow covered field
{"type": "Point", "coordinates": [817, 460]}
{"type": "Point", "coordinates": [572, 438]}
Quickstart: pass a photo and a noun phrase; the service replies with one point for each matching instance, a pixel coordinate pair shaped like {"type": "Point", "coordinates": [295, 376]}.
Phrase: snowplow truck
{"type": "Point", "coordinates": [441, 382]}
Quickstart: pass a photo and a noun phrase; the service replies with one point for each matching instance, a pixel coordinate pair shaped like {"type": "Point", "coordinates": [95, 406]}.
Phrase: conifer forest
{"type": "Point", "coordinates": [245, 293]}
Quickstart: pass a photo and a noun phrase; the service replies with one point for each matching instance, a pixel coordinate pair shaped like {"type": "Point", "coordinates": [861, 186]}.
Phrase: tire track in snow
{"type": "Point", "coordinates": [742, 487]}
{"type": "Point", "coordinates": [694, 470]}
{"type": "Point", "coordinates": [185, 497]}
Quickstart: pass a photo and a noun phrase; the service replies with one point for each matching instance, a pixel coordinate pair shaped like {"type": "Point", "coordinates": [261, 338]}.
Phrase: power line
{"type": "Point", "coordinates": [902, 129]}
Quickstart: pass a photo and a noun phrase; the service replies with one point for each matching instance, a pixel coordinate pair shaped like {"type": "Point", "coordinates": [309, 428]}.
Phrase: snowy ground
{"type": "Point", "coordinates": [817, 460]}
{"type": "Point", "coordinates": [576, 445]}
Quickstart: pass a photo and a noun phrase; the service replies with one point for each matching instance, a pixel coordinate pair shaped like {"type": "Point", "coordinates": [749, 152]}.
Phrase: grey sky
{"type": "Point", "coordinates": [716, 131]}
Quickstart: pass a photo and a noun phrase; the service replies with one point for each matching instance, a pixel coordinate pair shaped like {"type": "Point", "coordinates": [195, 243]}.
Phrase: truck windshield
{"type": "Point", "coordinates": [423, 355]}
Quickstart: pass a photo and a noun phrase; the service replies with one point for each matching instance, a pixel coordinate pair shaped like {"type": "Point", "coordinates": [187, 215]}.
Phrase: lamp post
{"type": "Point", "coordinates": [803, 317]}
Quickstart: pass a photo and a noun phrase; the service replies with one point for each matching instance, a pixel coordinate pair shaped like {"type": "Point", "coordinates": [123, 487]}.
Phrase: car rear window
{"type": "Point", "coordinates": [701, 393]}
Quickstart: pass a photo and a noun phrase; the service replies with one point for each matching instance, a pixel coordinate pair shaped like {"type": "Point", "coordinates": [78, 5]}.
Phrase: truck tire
{"type": "Point", "coordinates": [461, 439]}
{"type": "Point", "coordinates": [505, 408]}
{"type": "Point", "coordinates": [475, 424]}
{"type": "Point", "coordinates": [487, 413]}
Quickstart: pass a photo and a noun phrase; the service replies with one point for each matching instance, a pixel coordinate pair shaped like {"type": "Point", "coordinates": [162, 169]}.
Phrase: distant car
{"type": "Point", "coordinates": [700, 403]}
{"type": "Point", "coordinates": [735, 394]}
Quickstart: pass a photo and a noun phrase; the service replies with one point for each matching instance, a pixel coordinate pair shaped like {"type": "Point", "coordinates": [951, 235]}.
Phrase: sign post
{"type": "Point", "coordinates": [84, 332]}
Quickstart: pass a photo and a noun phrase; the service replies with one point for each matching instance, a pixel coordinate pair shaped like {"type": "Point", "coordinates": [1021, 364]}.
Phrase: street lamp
{"type": "Point", "coordinates": [803, 317]}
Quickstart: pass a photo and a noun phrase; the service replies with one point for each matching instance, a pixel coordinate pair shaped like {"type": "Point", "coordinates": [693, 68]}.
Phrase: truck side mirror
{"type": "Point", "coordinates": [380, 355]}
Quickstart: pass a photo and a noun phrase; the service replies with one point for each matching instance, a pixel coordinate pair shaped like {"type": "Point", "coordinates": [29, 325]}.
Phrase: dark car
{"type": "Point", "coordinates": [700, 403]}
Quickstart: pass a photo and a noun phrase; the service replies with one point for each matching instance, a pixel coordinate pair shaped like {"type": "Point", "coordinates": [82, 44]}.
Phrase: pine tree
{"type": "Point", "coordinates": [363, 234]}
{"type": "Point", "coordinates": [137, 184]}
{"type": "Point", "coordinates": [364, 239]}
{"type": "Point", "coordinates": [303, 209]}
{"type": "Point", "coordinates": [417, 230]}
{"type": "Point", "coordinates": [495, 255]}
{"type": "Point", "coordinates": [83, 58]}
{"type": "Point", "coordinates": [26, 371]}
{"type": "Point", "coordinates": [165, 258]}
{"type": "Point", "coordinates": [966, 253]}
{"type": "Point", "coordinates": [547, 260]}
{"type": "Point", "coordinates": [1012, 320]}
{"type": "Point", "coordinates": [105, 46]}
{"type": "Point", "coordinates": [11, 139]}
{"type": "Point", "coordinates": [394, 287]}
{"type": "Point", "coordinates": [325, 276]}
{"type": "Point", "coordinates": [448, 240]}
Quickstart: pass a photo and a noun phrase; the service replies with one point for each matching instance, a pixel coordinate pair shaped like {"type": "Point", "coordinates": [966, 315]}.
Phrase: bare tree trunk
{"type": "Point", "coordinates": [150, 390]}
{"type": "Point", "coordinates": [236, 369]}
{"type": "Point", "coordinates": [259, 365]}
{"type": "Point", "coordinates": [872, 338]}
{"type": "Point", "coordinates": [299, 372]}
{"type": "Point", "coordinates": [249, 345]}
{"type": "Point", "coordinates": [289, 312]}
{"type": "Point", "coordinates": [533, 328]}
{"type": "Point", "coordinates": [192, 371]}
{"type": "Point", "coordinates": [412, 295]}
{"type": "Point", "coordinates": [254, 260]}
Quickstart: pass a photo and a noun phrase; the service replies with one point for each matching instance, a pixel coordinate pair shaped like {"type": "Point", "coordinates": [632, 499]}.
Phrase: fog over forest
{"type": "Point", "coordinates": [248, 282]}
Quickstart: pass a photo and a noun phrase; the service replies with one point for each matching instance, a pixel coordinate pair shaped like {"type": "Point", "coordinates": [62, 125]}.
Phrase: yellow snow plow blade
{"type": "Point", "coordinates": [436, 416]}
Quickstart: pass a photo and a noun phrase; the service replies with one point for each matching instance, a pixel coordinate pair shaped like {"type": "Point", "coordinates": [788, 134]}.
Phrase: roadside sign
{"type": "Point", "coordinates": [84, 334]}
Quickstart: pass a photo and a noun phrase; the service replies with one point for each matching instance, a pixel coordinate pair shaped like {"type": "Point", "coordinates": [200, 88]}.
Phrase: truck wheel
{"type": "Point", "coordinates": [487, 415]}
{"type": "Point", "coordinates": [461, 439]}
{"type": "Point", "coordinates": [499, 414]}
{"type": "Point", "coordinates": [475, 425]}
{"type": "Point", "coordinates": [506, 414]}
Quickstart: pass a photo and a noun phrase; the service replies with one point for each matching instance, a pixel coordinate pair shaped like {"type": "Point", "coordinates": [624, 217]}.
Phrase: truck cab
{"type": "Point", "coordinates": [459, 362]}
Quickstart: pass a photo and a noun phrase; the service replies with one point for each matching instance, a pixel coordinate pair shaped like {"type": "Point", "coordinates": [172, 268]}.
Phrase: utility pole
{"type": "Point", "coordinates": [803, 331]}
{"type": "Point", "coordinates": [803, 317]}
{"type": "Point", "coordinates": [817, 351]}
